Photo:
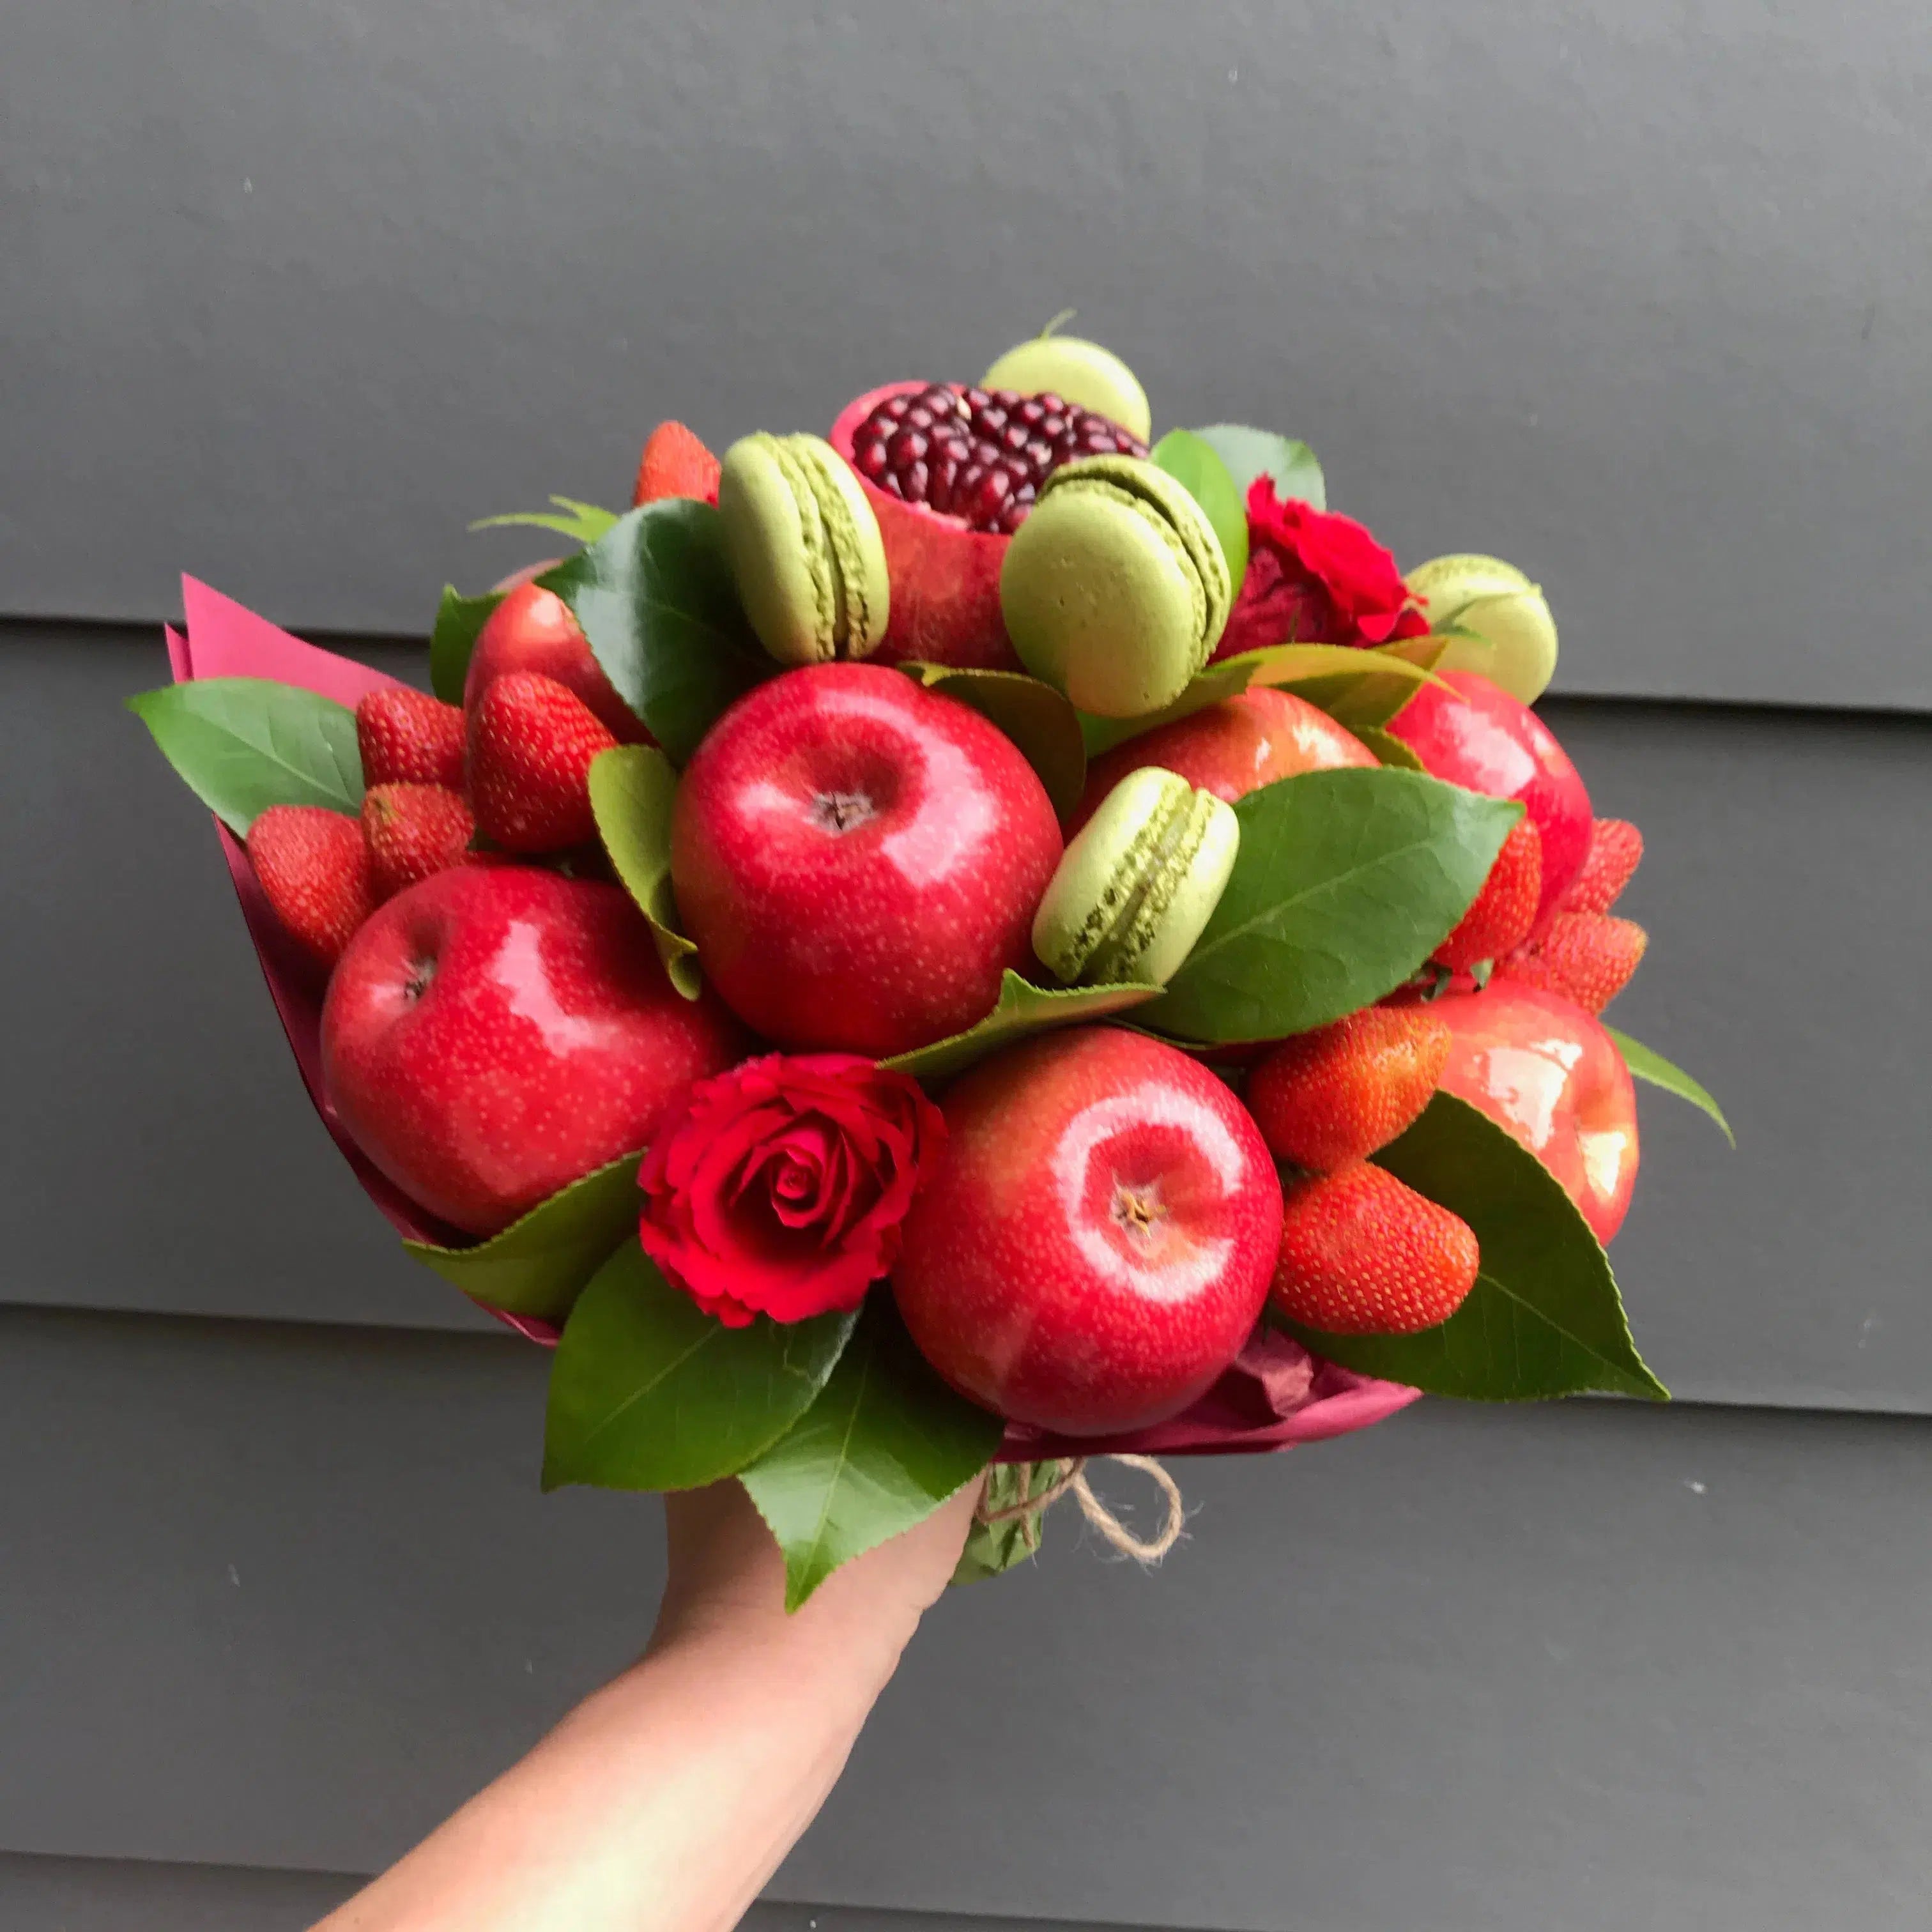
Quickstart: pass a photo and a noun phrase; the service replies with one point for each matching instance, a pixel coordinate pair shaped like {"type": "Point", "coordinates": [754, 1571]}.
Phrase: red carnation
{"type": "Point", "coordinates": [1314, 578]}
{"type": "Point", "coordinates": [778, 1188]}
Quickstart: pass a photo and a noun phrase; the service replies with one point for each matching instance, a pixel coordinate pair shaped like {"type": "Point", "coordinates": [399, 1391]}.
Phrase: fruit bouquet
{"type": "Point", "coordinates": [922, 956]}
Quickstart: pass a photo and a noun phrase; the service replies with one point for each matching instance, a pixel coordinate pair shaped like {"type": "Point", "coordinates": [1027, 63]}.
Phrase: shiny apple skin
{"type": "Point", "coordinates": [858, 859]}
{"type": "Point", "coordinates": [1231, 748]}
{"type": "Point", "coordinates": [1022, 1279]}
{"type": "Point", "coordinates": [496, 1031]}
{"type": "Point", "coordinates": [1476, 736]}
{"type": "Point", "coordinates": [533, 629]}
{"type": "Point", "coordinates": [1545, 1070]}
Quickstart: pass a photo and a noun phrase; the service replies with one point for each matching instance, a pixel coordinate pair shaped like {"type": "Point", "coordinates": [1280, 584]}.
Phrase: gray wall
{"type": "Point", "coordinates": [1634, 294]}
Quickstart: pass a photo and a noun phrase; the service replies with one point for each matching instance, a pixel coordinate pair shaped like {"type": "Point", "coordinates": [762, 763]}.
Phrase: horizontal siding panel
{"type": "Point", "coordinates": [290, 1593]}
{"type": "Point", "coordinates": [168, 1159]}
{"type": "Point", "coordinates": [300, 291]}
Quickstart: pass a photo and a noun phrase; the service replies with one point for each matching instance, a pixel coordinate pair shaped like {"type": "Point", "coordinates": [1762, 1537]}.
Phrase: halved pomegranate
{"type": "Point", "coordinates": [951, 472]}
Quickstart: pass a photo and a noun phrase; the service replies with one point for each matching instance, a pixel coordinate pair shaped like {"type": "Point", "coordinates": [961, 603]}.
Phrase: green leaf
{"type": "Point", "coordinates": [538, 1266]}
{"type": "Point", "coordinates": [453, 638]}
{"type": "Point", "coordinates": [1365, 696]}
{"type": "Point", "coordinates": [1644, 1064]}
{"type": "Point", "coordinates": [1249, 453]}
{"type": "Point", "coordinates": [1389, 748]}
{"type": "Point", "coordinates": [1334, 669]}
{"type": "Point", "coordinates": [583, 523]}
{"type": "Point", "coordinates": [243, 744]}
{"type": "Point", "coordinates": [655, 599]}
{"type": "Point", "coordinates": [1197, 465]}
{"type": "Point", "coordinates": [1345, 883]}
{"type": "Point", "coordinates": [1022, 1009]}
{"type": "Point", "coordinates": [631, 787]}
{"type": "Point", "coordinates": [1544, 1318]}
{"type": "Point", "coordinates": [1038, 720]}
{"type": "Point", "coordinates": [648, 1392]}
{"type": "Point", "coordinates": [993, 1548]}
{"type": "Point", "coordinates": [886, 1443]}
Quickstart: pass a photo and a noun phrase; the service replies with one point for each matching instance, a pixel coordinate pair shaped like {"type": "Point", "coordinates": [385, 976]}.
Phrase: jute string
{"type": "Point", "coordinates": [1070, 1478]}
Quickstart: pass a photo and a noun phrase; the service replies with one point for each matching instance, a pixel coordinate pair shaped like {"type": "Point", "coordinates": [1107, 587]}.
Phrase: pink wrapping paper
{"type": "Point", "coordinates": [1277, 1396]}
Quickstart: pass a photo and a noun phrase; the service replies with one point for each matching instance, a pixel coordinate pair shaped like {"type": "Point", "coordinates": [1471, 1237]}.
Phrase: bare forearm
{"type": "Point", "coordinates": [665, 1801]}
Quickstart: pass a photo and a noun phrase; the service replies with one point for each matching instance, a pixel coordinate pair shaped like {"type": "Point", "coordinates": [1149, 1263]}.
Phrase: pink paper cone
{"type": "Point", "coordinates": [1275, 1396]}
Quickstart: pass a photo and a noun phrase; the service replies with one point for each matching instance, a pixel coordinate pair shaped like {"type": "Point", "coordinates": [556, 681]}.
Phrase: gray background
{"type": "Point", "coordinates": [1637, 295]}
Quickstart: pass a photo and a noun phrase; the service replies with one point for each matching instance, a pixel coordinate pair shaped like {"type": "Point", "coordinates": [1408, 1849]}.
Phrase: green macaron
{"type": "Point", "coordinates": [1115, 589]}
{"type": "Point", "coordinates": [804, 548]}
{"type": "Point", "coordinates": [1137, 886]}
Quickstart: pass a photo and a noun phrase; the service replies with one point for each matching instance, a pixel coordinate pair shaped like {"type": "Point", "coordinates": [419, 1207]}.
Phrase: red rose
{"type": "Point", "coordinates": [778, 1188]}
{"type": "Point", "coordinates": [1314, 578]}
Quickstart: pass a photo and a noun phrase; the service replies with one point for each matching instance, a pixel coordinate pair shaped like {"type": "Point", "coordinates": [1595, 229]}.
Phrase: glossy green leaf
{"type": "Point", "coordinates": [1022, 1009]}
{"type": "Point", "coordinates": [1249, 453]}
{"type": "Point", "coordinates": [583, 523]}
{"type": "Point", "coordinates": [1196, 464]}
{"type": "Point", "coordinates": [886, 1443]}
{"type": "Point", "coordinates": [1544, 1318]}
{"type": "Point", "coordinates": [458, 620]}
{"type": "Point", "coordinates": [1038, 720]}
{"type": "Point", "coordinates": [1652, 1066]}
{"type": "Point", "coordinates": [1390, 749]}
{"type": "Point", "coordinates": [631, 787]}
{"type": "Point", "coordinates": [1345, 883]}
{"type": "Point", "coordinates": [1292, 666]}
{"type": "Point", "coordinates": [994, 1548]}
{"type": "Point", "coordinates": [242, 744]}
{"type": "Point", "coordinates": [655, 599]}
{"type": "Point", "coordinates": [648, 1392]}
{"type": "Point", "coordinates": [1365, 696]}
{"type": "Point", "coordinates": [538, 1266]}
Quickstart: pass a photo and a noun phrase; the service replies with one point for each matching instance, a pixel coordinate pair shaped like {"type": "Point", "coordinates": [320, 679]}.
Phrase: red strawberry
{"type": "Point", "coordinates": [408, 737]}
{"type": "Point", "coordinates": [1615, 846]}
{"type": "Point", "coordinates": [532, 741]}
{"type": "Point", "coordinates": [414, 830]}
{"type": "Point", "coordinates": [314, 869]}
{"type": "Point", "coordinates": [1587, 957]}
{"type": "Point", "coordinates": [1499, 919]}
{"type": "Point", "coordinates": [675, 463]}
{"type": "Point", "coordinates": [1362, 1253]}
{"type": "Point", "coordinates": [1325, 1099]}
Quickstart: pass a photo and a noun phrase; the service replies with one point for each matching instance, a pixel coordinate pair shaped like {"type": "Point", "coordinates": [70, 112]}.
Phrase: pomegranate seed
{"type": "Point", "coordinates": [978, 454]}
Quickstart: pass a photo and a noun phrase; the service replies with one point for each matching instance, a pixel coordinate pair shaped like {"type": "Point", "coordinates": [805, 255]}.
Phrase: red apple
{"type": "Point", "coordinates": [1548, 1072]}
{"type": "Point", "coordinates": [1476, 735]}
{"type": "Point", "coordinates": [1098, 1241]}
{"type": "Point", "coordinates": [1231, 748]}
{"type": "Point", "coordinates": [858, 859]}
{"type": "Point", "coordinates": [533, 629]}
{"type": "Point", "coordinates": [496, 1031]}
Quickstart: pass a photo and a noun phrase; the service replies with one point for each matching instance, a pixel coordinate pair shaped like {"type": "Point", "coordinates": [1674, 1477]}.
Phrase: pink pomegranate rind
{"type": "Point", "coordinates": [945, 575]}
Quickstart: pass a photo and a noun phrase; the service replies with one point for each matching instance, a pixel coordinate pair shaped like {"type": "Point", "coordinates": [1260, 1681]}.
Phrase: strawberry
{"type": "Point", "coordinates": [1325, 1099]}
{"type": "Point", "coordinates": [1499, 919]}
{"type": "Point", "coordinates": [1362, 1253]}
{"type": "Point", "coordinates": [408, 737]}
{"type": "Point", "coordinates": [414, 830]}
{"type": "Point", "coordinates": [532, 741]}
{"type": "Point", "coordinates": [314, 870]}
{"type": "Point", "coordinates": [675, 463]}
{"type": "Point", "coordinates": [1615, 846]}
{"type": "Point", "coordinates": [1587, 957]}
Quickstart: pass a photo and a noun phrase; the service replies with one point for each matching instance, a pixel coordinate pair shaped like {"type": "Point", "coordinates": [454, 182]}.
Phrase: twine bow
{"type": "Point", "coordinates": [1069, 1478]}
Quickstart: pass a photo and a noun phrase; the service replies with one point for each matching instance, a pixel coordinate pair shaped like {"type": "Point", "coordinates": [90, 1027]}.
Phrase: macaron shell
{"type": "Point", "coordinates": [1513, 635]}
{"type": "Point", "coordinates": [1103, 601]}
{"type": "Point", "coordinates": [1103, 872]}
{"type": "Point", "coordinates": [851, 528]}
{"type": "Point", "coordinates": [1181, 900]}
{"type": "Point", "coordinates": [1177, 506]}
{"type": "Point", "coordinates": [780, 558]}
